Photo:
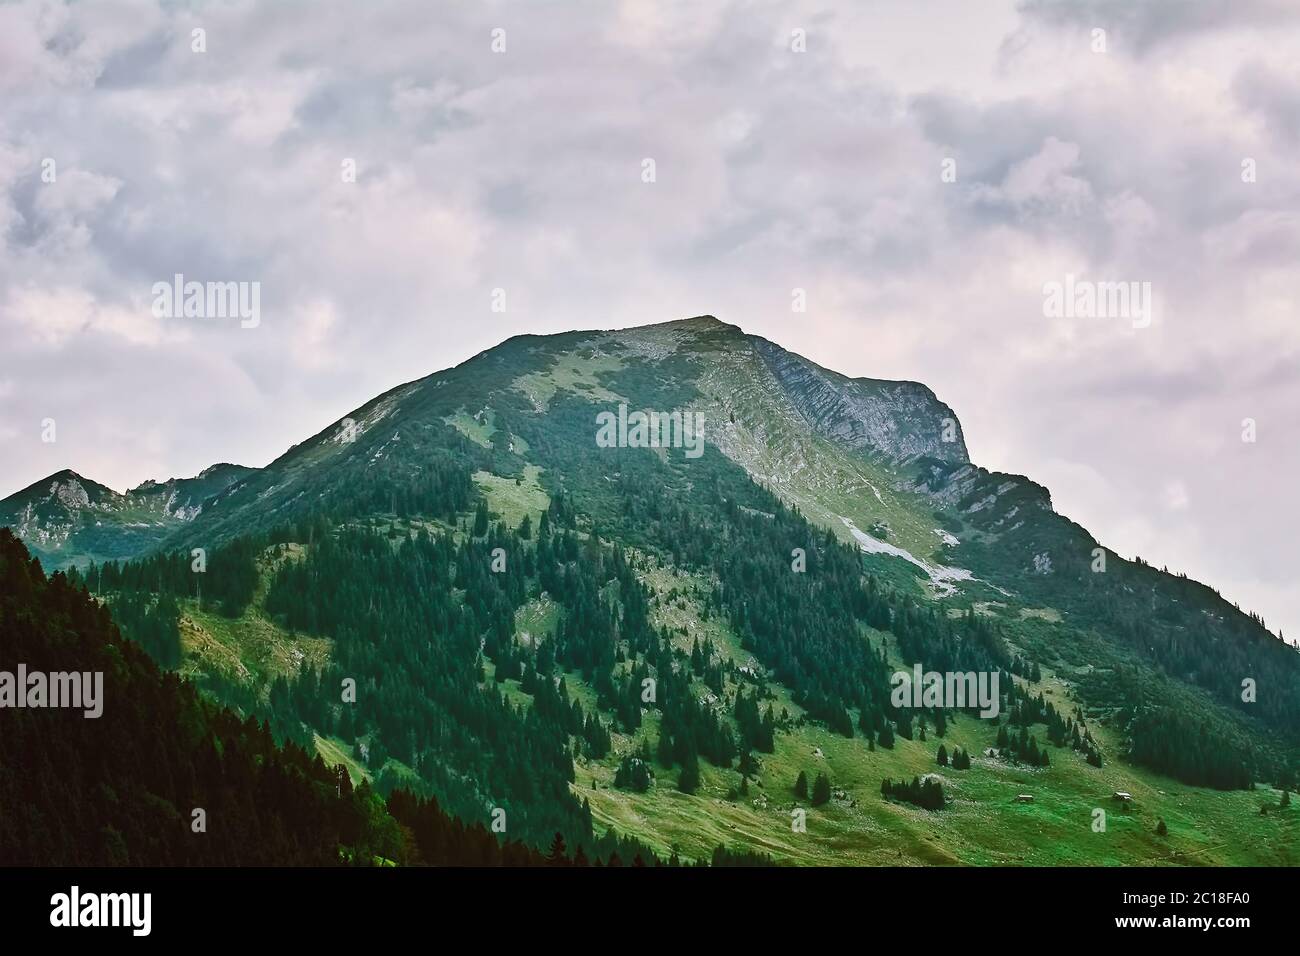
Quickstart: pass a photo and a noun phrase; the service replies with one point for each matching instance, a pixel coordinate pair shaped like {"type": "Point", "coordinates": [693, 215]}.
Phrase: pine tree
{"type": "Point", "coordinates": [748, 765]}
{"type": "Point", "coordinates": [664, 751]}
{"type": "Point", "coordinates": [866, 722]}
{"type": "Point", "coordinates": [943, 756]}
{"type": "Point", "coordinates": [801, 786]}
{"type": "Point", "coordinates": [821, 792]}
{"type": "Point", "coordinates": [689, 780]}
{"type": "Point", "coordinates": [556, 856]}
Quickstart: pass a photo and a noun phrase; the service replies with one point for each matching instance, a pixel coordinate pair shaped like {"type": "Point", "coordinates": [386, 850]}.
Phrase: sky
{"type": "Point", "coordinates": [922, 171]}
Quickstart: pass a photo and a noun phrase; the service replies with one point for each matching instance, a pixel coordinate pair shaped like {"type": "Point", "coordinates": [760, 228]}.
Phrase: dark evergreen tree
{"type": "Point", "coordinates": [801, 786]}
{"type": "Point", "coordinates": [689, 779]}
{"type": "Point", "coordinates": [821, 791]}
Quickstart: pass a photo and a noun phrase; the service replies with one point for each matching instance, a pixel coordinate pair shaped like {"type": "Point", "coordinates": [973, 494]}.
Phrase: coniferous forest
{"type": "Point", "coordinates": [443, 708]}
{"type": "Point", "coordinates": [422, 620]}
{"type": "Point", "coordinates": [661, 436]}
{"type": "Point", "coordinates": [122, 789]}
{"type": "Point", "coordinates": [164, 777]}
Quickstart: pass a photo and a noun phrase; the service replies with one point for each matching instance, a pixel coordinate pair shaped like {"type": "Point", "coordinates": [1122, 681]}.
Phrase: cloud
{"type": "Point", "coordinates": [1272, 94]}
{"type": "Point", "coordinates": [1151, 23]}
{"type": "Point", "coordinates": [1045, 183]}
{"type": "Point", "coordinates": [820, 170]}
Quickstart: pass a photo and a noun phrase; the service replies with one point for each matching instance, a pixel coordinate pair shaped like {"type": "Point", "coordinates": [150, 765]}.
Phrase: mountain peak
{"type": "Point", "coordinates": [696, 323]}
{"type": "Point", "coordinates": [221, 466]}
{"type": "Point", "coordinates": [66, 474]}
{"type": "Point", "coordinates": [66, 518]}
{"type": "Point", "coordinates": [223, 471]}
{"type": "Point", "coordinates": [61, 478]}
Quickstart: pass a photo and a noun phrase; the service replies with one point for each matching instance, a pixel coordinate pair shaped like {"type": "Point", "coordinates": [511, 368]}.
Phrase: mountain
{"type": "Point", "coordinates": [155, 776]}
{"type": "Point", "coordinates": [67, 519]}
{"type": "Point", "coordinates": [120, 789]}
{"type": "Point", "coordinates": [660, 640]}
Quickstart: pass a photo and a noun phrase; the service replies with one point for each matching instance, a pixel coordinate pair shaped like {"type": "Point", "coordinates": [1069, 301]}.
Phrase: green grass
{"type": "Point", "coordinates": [511, 499]}
{"type": "Point", "coordinates": [536, 620]}
{"type": "Point", "coordinates": [478, 432]}
{"type": "Point", "coordinates": [982, 825]}
{"type": "Point", "coordinates": [334, 752]}
{"type": "Point", "coordinates": [250, 648]}
{"type": "Point", "coordinates": [573, 372]}
{"type": "Point", "coordinates": [508, 688]}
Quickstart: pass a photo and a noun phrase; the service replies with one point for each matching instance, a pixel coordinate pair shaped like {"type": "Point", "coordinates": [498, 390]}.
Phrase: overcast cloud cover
{"type": "Point", "coordinates": [775, 170]}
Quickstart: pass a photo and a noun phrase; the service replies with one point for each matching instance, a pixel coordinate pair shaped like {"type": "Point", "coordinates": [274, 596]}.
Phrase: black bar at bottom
{"type": "Point", "coordinates": [301, 905]}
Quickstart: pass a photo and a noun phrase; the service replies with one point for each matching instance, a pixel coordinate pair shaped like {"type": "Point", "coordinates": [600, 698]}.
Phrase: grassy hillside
{"type": "Point", "coordinates": [982, 825]}
{"type": "Point", "coordinates": [383, 527]}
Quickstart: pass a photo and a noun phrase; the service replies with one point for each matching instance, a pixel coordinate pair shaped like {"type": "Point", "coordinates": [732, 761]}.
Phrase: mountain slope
{"type": "Point", "coordinates": [881, 464]}
{"type": "Point", "coordinates": [913, 555]}
{"type": "Point", "coordinates": [66, 519]}
{"type": "Point", "coordinates": [161, 778]}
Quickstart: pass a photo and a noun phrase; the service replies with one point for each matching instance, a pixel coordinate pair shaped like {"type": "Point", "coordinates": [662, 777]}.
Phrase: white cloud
{"type": "Point", "coordinates": [775, 170]}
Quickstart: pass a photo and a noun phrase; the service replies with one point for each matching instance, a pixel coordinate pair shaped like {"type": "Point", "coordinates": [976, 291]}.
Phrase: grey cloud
{"type": "Point", "coordinates": [1274, 96]}
{"type": "Point", "coordinates": [775, 170]}
{"type": "Point", "coordinates": [1142, 26]}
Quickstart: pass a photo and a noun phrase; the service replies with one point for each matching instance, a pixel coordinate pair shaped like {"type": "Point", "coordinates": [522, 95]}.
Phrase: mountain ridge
{"type": "Point", "coordinates": [830, 529]}
{"type": "Point", "coordinates": [66, 518]}
{"type": "Point", "coordinates": [371, 412]}
{"type": "Point", "coordinates": [865, 458]}
{"type": "Point", "coordinates": [936, 469]}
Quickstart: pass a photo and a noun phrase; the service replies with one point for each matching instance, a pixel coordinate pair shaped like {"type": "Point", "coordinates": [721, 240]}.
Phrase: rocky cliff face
{"type": "Point", "coordinates": [47, 513]}
{"type": "Point", "coordinates": [826, 442]}
{"type": "Point", "coordinates": [899, 420]}
{"type": "Point", "coordinates": [67, 519]}
{"type": "Point", "coordinates": [183, 498]}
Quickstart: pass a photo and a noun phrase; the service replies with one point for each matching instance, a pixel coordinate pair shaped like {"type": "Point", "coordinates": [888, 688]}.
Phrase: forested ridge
{"type": "Point", "coordinates": [417, 584]}
{"type": "Point", "coordinates": [1165, 635]}
{"type": "Point", "coordinates": [415, 615]}
{"type": "Point", "coordinates": [123, 789]}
